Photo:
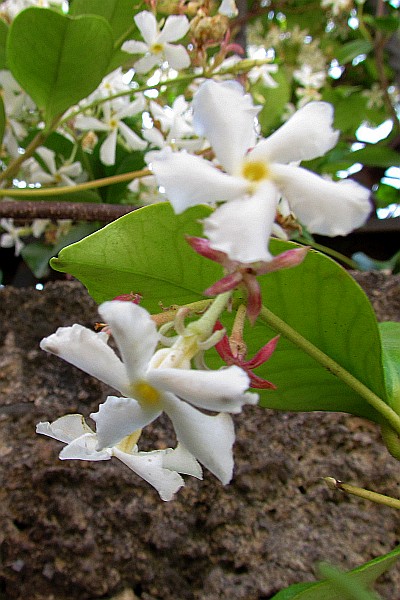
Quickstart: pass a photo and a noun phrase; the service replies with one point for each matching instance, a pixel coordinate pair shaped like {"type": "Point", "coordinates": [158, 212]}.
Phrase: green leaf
{"type": "Point", "coordinates": [350, 50]}
{"type": "Point", "coordinates": [3, 42]}
{"type": "Point", "coordinates": [144, 251]}
{"type": "Point", "coordinates": [361, 577]}
{"type": "Point", "coordinates": [2, 119]}
{"type": "Point", "coordinates": [366, 263]}
{"type": "Point", "coordinates": [118, 13]}
{"type": "Point", "coordinates": [385, 195]}
{"type": "Point", "coordinates": [390, 334]}
{"type": "Point", "coordinates": [274, 101]}
{"type": "Point", "coordinates": [322, 302]}
{"type": "Point", "coordinates": [57, 59]}
{"type": "Point", "coordinates": [377, 155]}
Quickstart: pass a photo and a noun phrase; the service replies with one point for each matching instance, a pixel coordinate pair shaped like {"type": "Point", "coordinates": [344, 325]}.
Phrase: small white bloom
{"type": "Point", "coordinates": [157, 47]}
{"type": "Point", "coordinates": [257, 175]}
{"type": "Point", "coordinates": [12, 237]}
{"type": "Point", "coordinates": [113, 124]}
{"type": "Point", "coordinates": [310, 78]}
{"type": "Point", "coordinates": [150, 388]}
{"type": "Point", "coordinates": [337, 6]}
{"type": "Point", "coordinates": [263, 73]}
{"type": "Point", "coordinates": [64, 175]}
{"type": "Point", "coordinates": [160, 468]}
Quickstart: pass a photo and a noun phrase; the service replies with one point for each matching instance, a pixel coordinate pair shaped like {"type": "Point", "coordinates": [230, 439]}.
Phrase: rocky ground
{"type": "Point", "coordinates": [72, 530]}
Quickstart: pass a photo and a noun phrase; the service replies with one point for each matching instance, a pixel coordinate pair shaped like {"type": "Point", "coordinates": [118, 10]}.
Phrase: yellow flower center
{"type": "Point", "coordinates": [129, 442]}
{"type": "Point", "coordinates": [255, 171]}
{"type": "Point", "coordinates": [113, 123]}
{"type": "Point", "coordinates": [156, 48]}
{"type": "Point", "coordinates": [145, 393]}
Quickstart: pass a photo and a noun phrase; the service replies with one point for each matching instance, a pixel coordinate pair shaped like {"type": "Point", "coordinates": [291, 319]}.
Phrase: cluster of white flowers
{"type": "Point", "coordinates": [151, 381]}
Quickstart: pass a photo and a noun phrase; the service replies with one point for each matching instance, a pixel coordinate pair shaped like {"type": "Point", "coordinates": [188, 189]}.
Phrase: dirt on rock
{"type": "Point", "coordinates": [82, 530]}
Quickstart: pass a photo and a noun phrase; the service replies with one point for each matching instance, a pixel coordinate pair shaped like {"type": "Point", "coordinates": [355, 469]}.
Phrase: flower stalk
{"type": "Point", "coordinates": [335, 484]}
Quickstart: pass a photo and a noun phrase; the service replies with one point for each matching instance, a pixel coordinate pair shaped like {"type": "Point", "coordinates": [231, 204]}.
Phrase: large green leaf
{"type": "Point", "coordinates": [58, 59]}
{"type": "Point", "coordinates": [145, 252]}
{"type": "Point", "coordinates": [119, 13]}
{"type": "Point", "coordinates": [3, 43]}
{"type": "Point", "coordinates": [350, 50]}
{"type": "Point", "coordinates": [322, 302]}
{"type": "Point", "coordinates": [362, 577]}
{"type": "Point", "coordinates": [390, 333]}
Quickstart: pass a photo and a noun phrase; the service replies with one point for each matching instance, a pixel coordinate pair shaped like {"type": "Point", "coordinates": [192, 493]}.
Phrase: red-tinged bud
{"type": "Point", "coordinates": [202, 247]}
{"type": "Point", "coordinates": [131, 297]}
{"type": "Point", "coordinates": [286, 260]}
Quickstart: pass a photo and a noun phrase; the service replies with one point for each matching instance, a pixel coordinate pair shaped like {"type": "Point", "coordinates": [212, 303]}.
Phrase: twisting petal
{"type": "Point", "coordinates": [119, 417]}
{"type": "Point", "coordinates": [241, 228]}
{"type": "Point", "coordinates": [147, 25]}
{"type": "Point", "coordinates": [107, 149]}
{"type": "Point", "coordinates": [189, 180]}
{"type": "Point", "coordinates": [254, 299]}
{"type": "Point", "coordinates": [84, 448]}
{"type": "Point", "coordinates": [131, 138]}
{"type": "Point", "coordinates": [219, 391]}
{"type": "Point", "coordinates": [87, 123]}
{"type": "Point", "coordinates": [177, 56]}
{"type": "Point", "coordinates": [65, 429]}
{"type": "Point", "coordinates": [134, 47]}
{"type": "Point", "coordinates": [208, 438]}
{"type": "Point", "coordinates": [147, 62]}
{"type": "Point", "coordinates": [149, 466]}
{"type": "Point", "coordinates": [89, 352]}
{"type": "Point", "coordinates": [325, 207]}
{"type": "Point", "coordinates": [227, 283]}
{"type": "Point", "coordinates": [182, 461]}
{"type": "Point", "coordinates": [176, 26]}
{"type": "Point", "coordinates": [306, 135]}
{"type": "Point", "coordinates": [225, 115]}
{"type": "Point", "coordinates": [134, 332]}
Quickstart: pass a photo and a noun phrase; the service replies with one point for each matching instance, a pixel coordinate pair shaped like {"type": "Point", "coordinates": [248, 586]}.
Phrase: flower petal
{"type": "Point", "coordinates": [242, 227]}
{"type": "Point", "coordinates": [134, 332]}
{"type": "Point", "coordinates": [208, 438]}
{"type": "Point", "coordinates": [225, 115]}
{"type": "Point", "coordinates": [182, 461]}
{"type": "Point", "coordinates": [134, 47]}
{"type": "Point", "coordinates": [176, 26]}
{"type": "Point", "coordinates": [84, 448]}
{"type": "Point", "coordinates": [220, 391]}
{"type": "Point", "coordinates": [325, 207]}
{"type": "Point", "coordinates": [119, 417]}
{"type": "Point", "coordinates": [149, 466]}
{"type": "Point", "coordinates": [89, 352]}
{"type": "Point", "coordinates": [306, 135]}
{"type": "Point", "coordinates": [107, 149]}
{"type": "Point", "coordinates": [65, 429]}
{"type": "Point", "coordinates": [189, 180]}
{"type": "Point", "coordinates": [147, 25]}
{"type": "Point", "coordinates": [177, 56]}
{"type": "Point", "coordinates": [145, 64]}
{"type": "Point", "coordinates": [131, 138]}
{"type": "Point", "coordinates": [90, 123]}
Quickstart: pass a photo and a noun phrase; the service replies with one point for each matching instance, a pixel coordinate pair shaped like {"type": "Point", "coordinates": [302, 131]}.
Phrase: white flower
{"type": "Point", "coordinates": [12, 237]}
{"type": "Point", "coordinates": [337, 6]}
{"type": "Point", "coordinates": [263, 73]}
{"type": "Point", "coordinates": [113, 124]}
{"type": "Point", "coordinates": [255, 179]}
{"type": "Point", "coordinates": [156, 46]}
{"type": "Point", "coordinates": [310, 78]}
{"type": "Point", "coordinates": [53, 176]}
{"type": "Point", "coordinates": [159, 468]}
{"type": "Point", "coordinates": [149, 388]}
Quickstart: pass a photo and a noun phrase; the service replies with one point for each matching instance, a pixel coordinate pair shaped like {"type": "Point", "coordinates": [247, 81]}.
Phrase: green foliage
{"type": "Point", "coordinates": [2, 119]}
{"type": "Point", "coordinates": [58, 59]}
{"type": "Point", "coordinates": [274, 101]}
{"type": "Point", "coordinates": [353, 585]}
{"type": "Point", "coordinates": [351, 50]}
{"type": "Point", "coordinates": [366, 263]}
{"type": "Point", "coordinates": [3, 42]}
{"type": "Point", "coordinates": [145, 252]}
{"type": "Point", "coordinates": [390, 333]}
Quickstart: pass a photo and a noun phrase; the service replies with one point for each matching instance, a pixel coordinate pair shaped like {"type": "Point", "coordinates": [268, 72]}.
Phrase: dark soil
{"type": "Point", "coordinates": [75, 530]}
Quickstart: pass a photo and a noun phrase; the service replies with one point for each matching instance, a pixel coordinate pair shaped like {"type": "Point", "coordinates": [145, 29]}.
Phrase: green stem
{"type": "Point", "coordinates": [71, 189]}
{"type": "Point", "coordinates": [391, 439]}
{"type": "Point", "coordinates": [334, 484]}
{"type": "Point", "coordinates": [13, 168]}
{"type": "Point", "coordinates": [388, 414]}
{"type": "Point", "coordinates": [205, 324]}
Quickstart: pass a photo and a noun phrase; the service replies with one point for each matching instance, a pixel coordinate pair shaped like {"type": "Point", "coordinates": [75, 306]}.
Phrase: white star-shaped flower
{"type": "Point", "coordinates": [113, 124]}
{"type": "Point", "coordinates": [63, 175]}
{"type": "Point", "coordinates": [157, 45]}
{"type": "Point", "coordinates": [255, 176]}
{"type": "Point", "coordinates": [149, 388]}
{"type": "Point", "coordinates": [160, 468]}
